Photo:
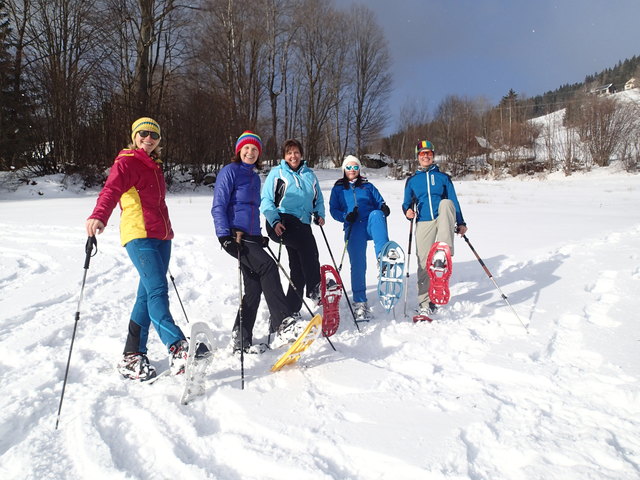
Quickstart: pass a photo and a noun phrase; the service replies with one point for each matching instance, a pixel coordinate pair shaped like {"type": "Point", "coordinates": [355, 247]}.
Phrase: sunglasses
{"type": "Point", "coordinates": [352, 167]}
{"type": "Point", "coordinates": [425, 153]}
{"type": "Point", "coordinates": [146, 133]}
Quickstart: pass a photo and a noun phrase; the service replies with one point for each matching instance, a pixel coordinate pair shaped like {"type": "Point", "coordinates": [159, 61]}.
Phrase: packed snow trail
{"type": "Point", "coordinates": [469, 396]}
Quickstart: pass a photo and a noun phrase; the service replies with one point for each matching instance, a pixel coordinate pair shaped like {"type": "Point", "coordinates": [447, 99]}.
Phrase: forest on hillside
{"type": "Point", "coordinates": [74, 73]}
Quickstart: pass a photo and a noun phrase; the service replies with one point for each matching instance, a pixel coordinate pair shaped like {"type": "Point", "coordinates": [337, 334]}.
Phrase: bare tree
{"type": "Point", "coordinates": [320, 55]}
{"type": "Point", "coordinates": [458, 121]}
{"type": "Point", "coordinates": [372, 79]}
{"type": "Point", "coordinates": [64, 56]}
{"type": "Point", "coordinates": [602, 123]}
{"type": "Point", "coordinates": [281, 33]}
{"type": "Point", "coordinates": [233, 52]}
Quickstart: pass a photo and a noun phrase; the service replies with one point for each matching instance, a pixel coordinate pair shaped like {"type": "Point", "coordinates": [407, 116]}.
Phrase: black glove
{"type": "Point", "coordinates": [230, 245]}
{"type": "Point", "coordinates": [352, 216]}
{"type": "Point", "coordinates": [385, 209]}
{"type": "Point", "coordinates": [316, 218]}
{"type": "Point", "coordinates": [226, 241]}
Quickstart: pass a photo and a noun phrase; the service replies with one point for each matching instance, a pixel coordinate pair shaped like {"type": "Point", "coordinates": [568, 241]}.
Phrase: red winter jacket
{"type": "Point", "coordinates": [137, 183]}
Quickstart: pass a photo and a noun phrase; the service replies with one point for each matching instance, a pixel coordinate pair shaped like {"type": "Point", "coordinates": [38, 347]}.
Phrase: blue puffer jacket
{"type": "Point", "coordinates": [294, 192]}
{"type": "Point", "coordinates": [427, 188]}
{"type": "Point", "coordinates": [236, 200]}
{"type": "Point", "coordinates": [360, 193]}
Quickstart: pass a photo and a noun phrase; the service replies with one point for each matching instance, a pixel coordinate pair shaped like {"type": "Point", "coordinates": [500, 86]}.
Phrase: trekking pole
{"type": "Point", "coordinates": [279, 249]}
{"type": "Point", "coordinates": [346, 296]}
{"type": "Point", "coordinates": [406, 287]}
{"type": "Point", "coordinates": [241, 329]}
{"type": "Point", "coordinates": [486, 270]}
{"type": "Point", "coordinates": [88, 248]}
{"type": "Point", "coordinates": [178, 295]}
{"type": "Point", "coordinates": [344, 250]}
{"type": "Point", "coordinates": [296, 290]}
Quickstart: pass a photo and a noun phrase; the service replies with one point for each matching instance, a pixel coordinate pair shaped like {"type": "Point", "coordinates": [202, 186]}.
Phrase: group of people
{"type": "Point", "coordinates": [290, 201]}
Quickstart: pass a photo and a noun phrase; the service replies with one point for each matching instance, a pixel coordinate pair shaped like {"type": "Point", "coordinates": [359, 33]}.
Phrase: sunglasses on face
{"type": "Point", "coordinates": [426, 153]}
{"type": "Point", "coordinates": [352, 167]}
{"type": "Point", "coordinates": [146, 133]}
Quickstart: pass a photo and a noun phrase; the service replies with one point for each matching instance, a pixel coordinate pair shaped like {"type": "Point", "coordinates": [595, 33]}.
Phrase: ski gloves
{"type": "Point", "coordinates": [352, 216]}
{"type": "Point", "coordinates": [232, 247]}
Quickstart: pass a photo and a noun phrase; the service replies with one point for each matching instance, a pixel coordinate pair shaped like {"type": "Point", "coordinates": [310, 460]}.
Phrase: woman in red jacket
{"type": "Point", "coordinates": [136, 182]}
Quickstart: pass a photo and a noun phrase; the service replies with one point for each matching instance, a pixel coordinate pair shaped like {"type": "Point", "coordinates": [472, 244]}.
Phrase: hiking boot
{"type": "Point", "coordinates": [428, 309]}
{"type": "Point", "coordinates": [362, 311]}
{"type": "Point", "coordinates": [136, 366]}
{"type": "Point", "coordinates": [179, 352]}
{"type": "Point", "coordinates": [439, 259]}
{"type": "Point", "coordinates": [288, 332]}
{"type": "Point", "coordinates": [255, 349]}
{"type": "Point", "coordinates": [314, 295]}
{"type": "Point", "coordinates": [392, 254]}
{"type": "Point", "coordinates": [235, 340]}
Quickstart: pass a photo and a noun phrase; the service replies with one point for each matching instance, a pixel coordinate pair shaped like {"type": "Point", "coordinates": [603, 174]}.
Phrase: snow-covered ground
{"type": "Point", "coordinates": [470, 396]}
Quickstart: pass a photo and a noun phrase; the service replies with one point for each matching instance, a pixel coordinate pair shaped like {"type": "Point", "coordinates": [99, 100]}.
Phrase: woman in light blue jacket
{"type": "Point", "coordinates": [290, 200]}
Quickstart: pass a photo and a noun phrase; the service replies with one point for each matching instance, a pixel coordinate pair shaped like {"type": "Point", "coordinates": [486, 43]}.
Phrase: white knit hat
{"type": "Point", "coordinates": [350, 158]}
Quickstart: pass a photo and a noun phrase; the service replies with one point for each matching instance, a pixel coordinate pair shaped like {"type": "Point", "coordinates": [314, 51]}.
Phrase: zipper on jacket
{"type": "Point", "coordinates": [166, 225]}
{"type": "Point", "coordinates": [433, 217]}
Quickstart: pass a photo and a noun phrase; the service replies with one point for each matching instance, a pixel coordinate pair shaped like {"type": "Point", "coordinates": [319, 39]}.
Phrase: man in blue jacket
{"type": "Point", "coordinates": [430, 198]}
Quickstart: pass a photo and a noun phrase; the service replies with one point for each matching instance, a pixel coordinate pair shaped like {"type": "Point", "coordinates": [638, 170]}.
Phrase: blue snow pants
{"type": "Point", "coordinates": [151, 257]}
{"type": "Point", "coordinates": [374, 227]}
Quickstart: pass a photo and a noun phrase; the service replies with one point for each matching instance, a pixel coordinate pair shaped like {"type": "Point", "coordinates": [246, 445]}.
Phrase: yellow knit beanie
{"type": "Point", "coordinates": [144, 123]}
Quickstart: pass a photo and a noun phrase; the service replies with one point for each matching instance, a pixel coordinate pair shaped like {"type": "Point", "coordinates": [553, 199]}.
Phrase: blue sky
{"type": "Point", "coordinates": [486, 47]}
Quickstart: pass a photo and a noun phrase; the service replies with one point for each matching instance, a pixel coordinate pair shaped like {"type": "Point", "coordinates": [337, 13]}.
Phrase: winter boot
{"type": "Point", "coordinates": [288, 332]}
{"type": "Point", "coordinates": [179, 352]}
{"type": "Point", "coordinates": [427, 309]}
{"type": "Point", "coordinates": [136, 366]}
{"type": "Point", "coordinates": [362, 311]}
{"type": "Point", "coordinates": [314, 295]}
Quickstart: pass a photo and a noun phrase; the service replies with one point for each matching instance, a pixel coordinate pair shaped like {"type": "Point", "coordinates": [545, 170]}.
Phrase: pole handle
{"type": "Point", "coordinates": [88, 249]}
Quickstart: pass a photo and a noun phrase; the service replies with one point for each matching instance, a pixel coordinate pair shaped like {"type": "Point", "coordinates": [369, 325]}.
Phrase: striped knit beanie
{"type": "Point", "coordinates": [249, 138]}
{"type": "Point", "coordinates": [424, 145]}
{"type": "Point", "coordinates": [144, 123]}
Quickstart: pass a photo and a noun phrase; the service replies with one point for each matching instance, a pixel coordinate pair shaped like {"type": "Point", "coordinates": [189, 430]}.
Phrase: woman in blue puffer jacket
{"type": "Point", "coordinates": [358, 204]}
{"type": "Point", "coordinates": [236, 216]}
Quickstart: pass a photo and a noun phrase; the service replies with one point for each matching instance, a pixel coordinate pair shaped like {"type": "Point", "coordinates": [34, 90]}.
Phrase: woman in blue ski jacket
{"type": "Point", "coordinates": [358, 204]}
{"type": "Point", "coordinates": [430, 198]}
{"type": "Point", "coordinates": [236, 216]}
{"type": "Point", "coordinates": [291, 199]}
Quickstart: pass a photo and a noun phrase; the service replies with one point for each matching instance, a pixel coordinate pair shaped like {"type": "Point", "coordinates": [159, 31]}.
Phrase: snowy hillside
{"type": "Point", "coordinates": [559, 144]}
{"type": "Point", "coordinates": [470, 396]}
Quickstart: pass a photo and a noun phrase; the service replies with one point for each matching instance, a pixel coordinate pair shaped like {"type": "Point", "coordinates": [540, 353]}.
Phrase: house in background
{"type": "Point", "coordinates": [632, 83]}
{"type": "Point", "coordinates": [604, 89]}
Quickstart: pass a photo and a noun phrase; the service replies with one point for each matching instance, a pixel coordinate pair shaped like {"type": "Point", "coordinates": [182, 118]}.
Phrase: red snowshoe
{"type": "Point", "coordinates": [330, 293]}
{"type": "Point", "coordinates": [439, 268]}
